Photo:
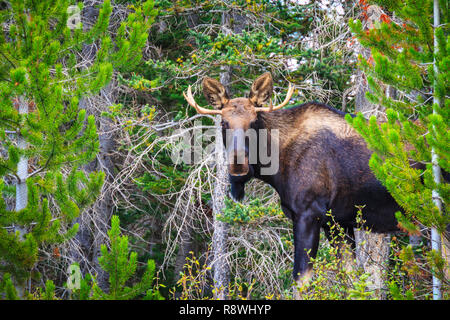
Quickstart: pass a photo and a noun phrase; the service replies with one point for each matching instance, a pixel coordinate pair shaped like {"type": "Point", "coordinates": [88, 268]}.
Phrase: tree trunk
{"type": "Point", "coordinates": [94, 223]}
{"type": "Point", "coordinates": [103, 208]}
{"type": "Point", "coordinates": [186, 246]}
{"type": "Point", "coordinates": [221, 269]}
{"type": "Point", "coordinates": [21, 186]}
{"type": "Point", "coordinates": [435, 236]}
{"type": "Point", "coordinates": [372, 255]}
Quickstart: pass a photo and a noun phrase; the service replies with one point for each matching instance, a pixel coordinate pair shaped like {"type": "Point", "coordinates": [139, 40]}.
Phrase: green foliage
{"type": "Point", "coordinates": [48, 293]}
{"type": "Point", "coordinates": [360, 288]}
{"type": "Point", "coordinates": [39, 68]}
{"type": "Point", "coordinates": [400, 50]}
{"type": "Point", "coordinates": [7, 288]}
{"type": "Point", "coordinates": [403, 55]}
{"type": "Point", "coordinates": [236, 212]}
{"type": "Point", "coordinates": [270, 35]}
{"type": "Point", "coordinates": [396, 293]}
{"type": "Point", "coordinates": [121, 265]}
{"type": "Point", "coordinates": [336, 276]}
{"type": "Point", "coordinates": [410, 270]}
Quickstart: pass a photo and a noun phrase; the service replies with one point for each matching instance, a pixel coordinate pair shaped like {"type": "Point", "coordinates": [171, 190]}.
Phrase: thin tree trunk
{"type": "Point", "coordinates": [22, 166]}
{"type": "Point", "coordinates": [372, 256]}
{"type": "Point", "coordinates": [94, 223]}
{"type": "Point", "coordinates": [103, 207]}
{"type": "Point", "coordinates": [21, 186]}
{"type": "Point", "coordinates": [221, 269]}
{"type": "Point", "coordinates": [435, 236]}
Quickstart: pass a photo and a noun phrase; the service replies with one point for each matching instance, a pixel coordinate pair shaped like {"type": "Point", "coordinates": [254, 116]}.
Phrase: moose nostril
{"type": "Point", "coordinates": [238, 169]}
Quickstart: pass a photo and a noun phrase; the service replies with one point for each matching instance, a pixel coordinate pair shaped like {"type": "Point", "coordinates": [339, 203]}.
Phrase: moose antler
{"type": "Point", "coordinates": [285, 102]}
{"type": "Point", "coordinates": [190, 99]}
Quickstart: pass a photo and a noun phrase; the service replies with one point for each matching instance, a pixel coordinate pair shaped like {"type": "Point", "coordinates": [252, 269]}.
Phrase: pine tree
{"type": "Point", "coordinates": [118, 262]}
{"type": "Point", "coordinates": [121, 266]}
{"type": "Point", "coordinates": [409, 54]}
{"type": "Point", "coordinates": [45, 138]}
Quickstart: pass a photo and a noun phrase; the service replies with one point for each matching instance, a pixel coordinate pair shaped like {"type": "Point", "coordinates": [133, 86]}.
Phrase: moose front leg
{"type": "Point", "coordinates": [306, 243]}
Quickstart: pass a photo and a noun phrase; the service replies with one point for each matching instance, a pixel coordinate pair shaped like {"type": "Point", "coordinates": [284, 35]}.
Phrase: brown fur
{"type": "Point", "coordinates": [238, 113]}
{"type": "Point", "coordinates": [303, 124]}
{"type": "Point", "coordinates": [261, 90]}
{"type": "Point", "coordinates": [323, 165]}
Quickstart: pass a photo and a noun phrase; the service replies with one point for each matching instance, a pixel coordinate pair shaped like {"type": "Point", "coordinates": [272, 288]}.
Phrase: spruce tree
{"type": "Point", "coordinates": [410, 53]}
{"type": "Point", "coordinates": [121, 265]}
{"type": "Point", "coordinates": [42, 128]}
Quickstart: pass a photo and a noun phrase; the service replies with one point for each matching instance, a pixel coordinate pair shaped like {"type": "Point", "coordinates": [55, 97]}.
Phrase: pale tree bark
{"type": "Point", "coordinates": [21, 185]}
{"type": "Point", "coordinates": [221, 269]}
{"type": "Point", "coordinates": [372, 256]}
{"type": "Point", "coordinates": [220, 266]}
{"type": "Point", "coordinates": [232, 22]}
{"type": "Point", "coordinates": [437, 200]}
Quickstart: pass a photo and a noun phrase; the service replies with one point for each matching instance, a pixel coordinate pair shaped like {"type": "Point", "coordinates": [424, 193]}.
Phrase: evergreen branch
{"type": "Point", "coordinates": [12, 172]}
{"type": "Point", "coordinates": [4, 55]}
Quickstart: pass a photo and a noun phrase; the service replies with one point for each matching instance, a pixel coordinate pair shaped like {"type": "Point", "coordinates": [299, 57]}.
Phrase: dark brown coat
{"type": "Point", "coordinates": [323, 166]}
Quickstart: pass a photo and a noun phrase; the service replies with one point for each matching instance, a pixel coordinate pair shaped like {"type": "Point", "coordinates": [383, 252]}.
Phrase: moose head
{"type": "Point", "coordinates": [238, 116]}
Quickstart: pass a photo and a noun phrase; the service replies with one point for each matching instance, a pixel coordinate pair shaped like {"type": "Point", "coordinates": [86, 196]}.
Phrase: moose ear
{"type": "Point", "coordinates": [261, 89]}
{"type": "Point", "coordinates": [215, 92]}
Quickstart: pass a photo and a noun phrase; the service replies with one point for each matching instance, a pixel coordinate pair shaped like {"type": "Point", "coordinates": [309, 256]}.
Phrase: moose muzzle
{"type": "Point", "coordinates": [237, 152]}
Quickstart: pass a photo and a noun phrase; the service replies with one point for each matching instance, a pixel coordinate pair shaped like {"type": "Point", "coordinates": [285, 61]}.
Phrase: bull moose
{"type": "Point", "coordinates": [323, 165]}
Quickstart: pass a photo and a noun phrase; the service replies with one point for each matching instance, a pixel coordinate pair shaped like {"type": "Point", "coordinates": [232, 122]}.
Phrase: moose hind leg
{"type": "Point", "coordinates": [306, 243]}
